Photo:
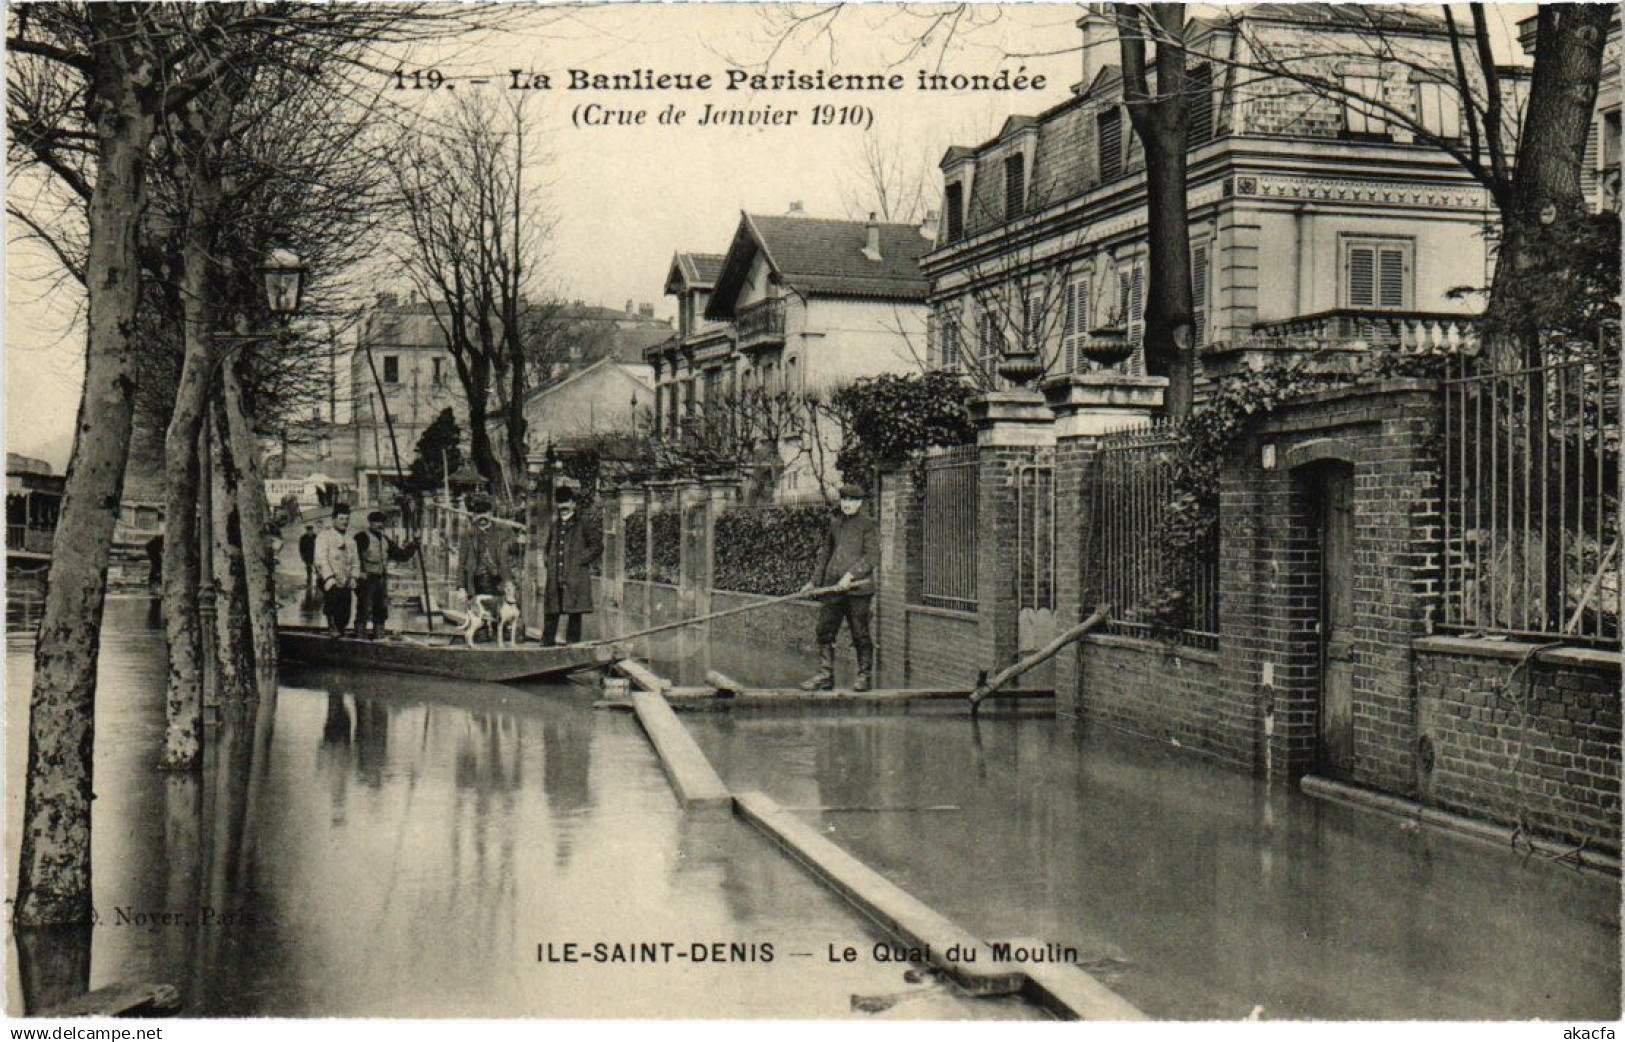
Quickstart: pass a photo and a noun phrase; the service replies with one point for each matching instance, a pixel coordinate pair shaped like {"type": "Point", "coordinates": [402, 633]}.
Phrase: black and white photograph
{"type": "Point", "coordinates": [531, 513]}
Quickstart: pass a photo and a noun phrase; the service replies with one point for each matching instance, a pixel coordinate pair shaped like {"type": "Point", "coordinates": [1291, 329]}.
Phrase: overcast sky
{"type": "Point", "coordinates": [626, 198]}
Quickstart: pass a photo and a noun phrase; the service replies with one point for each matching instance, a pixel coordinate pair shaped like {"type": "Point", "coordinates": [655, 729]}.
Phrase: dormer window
{"type": "Point", "coordinates": [1359, 117]}
{"type": "Point", "coordinates": [1015, 187]}
{"type": "Point", "coordinates": [955, 207]}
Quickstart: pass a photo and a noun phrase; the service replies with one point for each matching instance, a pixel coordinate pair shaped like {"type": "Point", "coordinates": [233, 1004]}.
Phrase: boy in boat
{"type": "Point", "coordinates": [485, 556]}
{"type": "Point", "coordinates": [570, 545]}
{"type": "Point", "coordinates": [846, 562]}
{"type": "Point", "coordinates": [374, 550]}
{"type": "Point", "coordinates": [336, 570]}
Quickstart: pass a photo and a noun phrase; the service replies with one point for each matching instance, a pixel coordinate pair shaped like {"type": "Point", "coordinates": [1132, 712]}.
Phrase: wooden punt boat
{"type": "Point", "coordinates": [440, 655]}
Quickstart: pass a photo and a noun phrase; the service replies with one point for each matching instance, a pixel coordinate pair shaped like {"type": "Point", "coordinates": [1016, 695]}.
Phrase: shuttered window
{"type": "Point", "coordinates": [990, 346]}
{"type": "Point", "coordinates": [1109, 137]}
{"type": "Point", "coordinates": [1589, 165]}
{"type": "Point", "coordinates": [943, 334]}
{"type": "Point", "coordinates": [1199, 88]}
{"type": "Point", "coordinates": [1076, 332]}
{"type": "Point", "coordinates": [1377, 274]}
{"type": "Point", "coordinates": [1199, 283]}
{"type": "Point", "coordinates": [1131, 290]}
{"type": "Point", "coordinates": [1015, 187]}
{"type": "Point", "coordinates": [955, 206]}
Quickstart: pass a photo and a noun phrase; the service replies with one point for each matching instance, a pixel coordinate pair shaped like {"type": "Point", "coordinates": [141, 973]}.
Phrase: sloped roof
{"type": "Point", "coordinates": [695, 270]}
{"type": "Point", "coordinates": [630, 343]}
{"type": "Point", "coordinates": [1359, 16]}
{"type": "Point", "coordinates": [824, 257]}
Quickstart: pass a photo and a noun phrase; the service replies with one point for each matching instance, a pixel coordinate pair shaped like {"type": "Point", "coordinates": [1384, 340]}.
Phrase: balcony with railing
{"type": "Point", "coordinates": [760, 324]}
{"type": "Point", "coordinates": [1422, 331]}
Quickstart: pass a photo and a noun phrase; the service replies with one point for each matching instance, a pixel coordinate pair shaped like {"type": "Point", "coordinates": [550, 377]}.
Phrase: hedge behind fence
{"type": "Point", "coordinates": [667, 547]}
{"type": "Point", "coordinates": [769, 550]}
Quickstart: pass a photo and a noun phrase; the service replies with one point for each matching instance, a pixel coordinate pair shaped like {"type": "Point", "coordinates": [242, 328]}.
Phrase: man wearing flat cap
{"type": "Point", "coordinates": [374, 550]}
{"type": "Point", "coordinates": [336, 568]}
{"type": "Point", "coordinates": [485, 556]}
{"type": "Point", "coordinates": [847, 562]}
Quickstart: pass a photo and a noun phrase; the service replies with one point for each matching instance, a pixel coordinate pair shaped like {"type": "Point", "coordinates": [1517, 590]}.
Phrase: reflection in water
{"type": "Point", "coordinates": [1198, 891]}
{"type": "Point", "coordinates": [53, 964]}
{"type": "Point", "coordinates": [390, 846]}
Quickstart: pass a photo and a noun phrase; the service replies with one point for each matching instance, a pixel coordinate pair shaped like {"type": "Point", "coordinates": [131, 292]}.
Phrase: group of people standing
{"type": "Point", "coordinates": [352, 572]}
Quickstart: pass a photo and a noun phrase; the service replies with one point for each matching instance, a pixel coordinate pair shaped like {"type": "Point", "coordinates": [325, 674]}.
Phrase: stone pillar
{"type": "Point", "coordinates": [1087, 406]}
{"type": "Point", "coordinates": [1013, 428]}
{"type": "Point", "coordinates": [618, 505]}
{"type": "Point", "coordinates": [896, 507]}
{"type": "Point", "coordinates": [694, 564]}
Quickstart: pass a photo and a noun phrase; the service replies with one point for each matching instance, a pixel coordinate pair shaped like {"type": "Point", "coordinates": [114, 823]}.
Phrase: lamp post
{"type": "Point", "coordinates": [284, 278]}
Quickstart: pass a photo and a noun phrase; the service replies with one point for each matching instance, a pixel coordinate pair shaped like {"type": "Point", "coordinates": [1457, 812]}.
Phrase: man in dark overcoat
{"type": "Point", "coordinates": [570, 547]}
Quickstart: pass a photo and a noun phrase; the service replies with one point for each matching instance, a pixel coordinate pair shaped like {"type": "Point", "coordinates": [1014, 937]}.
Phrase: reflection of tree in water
{"type": "Point", "coordinates": [53, 964]}
{"type": "Point", "coordinates": [848, 764]}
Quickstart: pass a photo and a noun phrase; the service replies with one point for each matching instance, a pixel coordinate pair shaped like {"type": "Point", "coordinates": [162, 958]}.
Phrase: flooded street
{"type": "Point", "coordinates": [389, 846]}
{"type": "Point", "coordinates": [1192, 890]}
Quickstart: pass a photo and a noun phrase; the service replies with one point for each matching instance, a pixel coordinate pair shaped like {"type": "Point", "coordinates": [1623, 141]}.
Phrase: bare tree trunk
{"type": "Point", "coordinates": [1161, 122]}
{"type": "Point", "coordinates": [258, 570]}
{"type": "Point", "coordinates": [234, 659]}
{"type": "Point", "coordinates": [53, 878]}
{"type": "Point", "coordinates": [1546, 196]}
{"type": "Point", "coordinates": [479, 437]}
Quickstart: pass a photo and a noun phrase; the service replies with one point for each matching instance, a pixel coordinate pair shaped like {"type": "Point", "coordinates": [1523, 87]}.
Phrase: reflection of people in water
{"type": "Point", "coordinates": [566, 771]}
{"type": "Point", "coordinates": [371, 740]}
{"type": "Point", "coordinates": [336, 730]}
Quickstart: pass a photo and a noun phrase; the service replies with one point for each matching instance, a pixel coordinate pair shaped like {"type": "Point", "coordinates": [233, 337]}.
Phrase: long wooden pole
{"type": "Point", "coordinates": [395, 450]}
{"type": "Point", "coordinates": [714, 615]}
{"type": "Point", "coordinates": [984, 688]}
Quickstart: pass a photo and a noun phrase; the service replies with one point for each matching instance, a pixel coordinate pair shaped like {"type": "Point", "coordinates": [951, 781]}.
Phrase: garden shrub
{"type": "Point", "coordinates": [769, 550]}
{"type": "Point", "coordinates": [667, 547]}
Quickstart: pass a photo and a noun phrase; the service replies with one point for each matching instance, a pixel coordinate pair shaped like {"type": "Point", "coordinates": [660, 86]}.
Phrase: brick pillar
{"type": "Point", "coordinates": [1013, 428]}
{"type": "Point", "coordinates": [896, 507]}
{"type": "Point", "coordinates": [1086, 406]}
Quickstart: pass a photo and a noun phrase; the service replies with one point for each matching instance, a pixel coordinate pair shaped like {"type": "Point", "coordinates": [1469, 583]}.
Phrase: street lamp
{"type": "Point", "coordinates": [284, 275]}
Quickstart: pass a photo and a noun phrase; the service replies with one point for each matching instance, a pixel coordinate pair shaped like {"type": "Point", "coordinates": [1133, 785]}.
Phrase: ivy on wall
{"type": "Point", "coordinates": [894, 418]}
{"type": "Point", "coordinates": [769, 550]}
{"type": "Point", "coordinates": [667, 556]}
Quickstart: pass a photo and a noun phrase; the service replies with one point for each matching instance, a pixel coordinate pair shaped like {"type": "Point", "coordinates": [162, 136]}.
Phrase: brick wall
{"type": "Point", "coordinates": [1539, 743]}
{"type": "Point", "coordinates": [1155, 690]}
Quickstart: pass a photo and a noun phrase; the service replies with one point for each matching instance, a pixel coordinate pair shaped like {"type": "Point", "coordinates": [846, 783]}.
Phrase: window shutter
{"type": "Point", "coordinates": [1015, 188]}
{"type": "Point", "coordinates": [1080, 297]}
{"type": "Point", "coordinates": [1589, 165]}
{"type": "Point", "coordinates": [948, 334]}
{"type": "Point", "coordinates": [1136, 320]}
{"type": "Point", "coordinates": [1198, 295]}
{"type": "Point", "coordinates": [1362, 277]}
{"type": "Point", "coordinates": [1109, 135]}
{"type": "Point", "coordinates": [1199, 87]}
{"type": "Point", "coordinates": [1391, 277]}
{"type": "Point", "coordinates": [956, 211]}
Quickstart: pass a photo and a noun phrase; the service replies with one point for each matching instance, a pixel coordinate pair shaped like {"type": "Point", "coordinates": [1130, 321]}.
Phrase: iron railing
{"type": "Point", "coordinates": [1136, 573]}
{"type": "Point", "coordinates": [1531, 498]}
{"type": "Point", "coordinates": [949, 529]}
{"type": "Point", "coordinates": [1035, 536]}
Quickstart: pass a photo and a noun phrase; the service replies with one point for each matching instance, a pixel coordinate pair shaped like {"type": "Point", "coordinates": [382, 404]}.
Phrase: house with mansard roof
{"type": "Point", "coordinates": [797, 305]}
{"type": "Point", "coordinates": [1310, 216]}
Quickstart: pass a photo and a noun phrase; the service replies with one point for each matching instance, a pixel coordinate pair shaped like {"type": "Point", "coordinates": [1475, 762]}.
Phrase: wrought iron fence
{"type": "Point", "coordinates": [949, 520]}
{"type": "Point", "coordinates": [1531, 475]}
{"type": "Point", "coordinates": [1137, 574]}
{"type": "Point", "coordinates": [1035, 536]}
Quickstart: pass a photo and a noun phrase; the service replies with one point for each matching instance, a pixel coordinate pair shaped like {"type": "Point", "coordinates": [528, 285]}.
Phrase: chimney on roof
{"type": "Point", "coordinates": [795, 209]}
{"type": "Point", "coordinates": [1097, 36]}
{"type": "Point", "coordinates": [629, 305]}
{"type": "Point", "coordinates": [928, 226]}
{"type": "Point", "coordinates": [646, 311]}
{"type": "Point", "coordinates": [871, 247]}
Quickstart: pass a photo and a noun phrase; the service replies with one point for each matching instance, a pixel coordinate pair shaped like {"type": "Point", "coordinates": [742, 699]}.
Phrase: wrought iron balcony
{"type": "Point", "coordinates": [1401, 330]}
{"type": "Point", "coordinates": [760, 324]}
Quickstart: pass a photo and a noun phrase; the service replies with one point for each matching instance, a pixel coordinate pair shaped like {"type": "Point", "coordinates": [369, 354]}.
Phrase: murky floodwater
{"type": "Point", "coordinates": [387, 846]}
{"type": "Point", "coordinates": [1194, 890]}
